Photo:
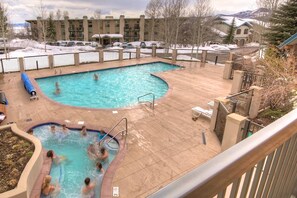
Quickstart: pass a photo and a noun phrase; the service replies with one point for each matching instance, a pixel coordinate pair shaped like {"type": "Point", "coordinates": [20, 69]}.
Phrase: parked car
{"type": "Point", "coordinates": [124, 44]}
{"type": "Point", "coordinates": [142, 44]}
{"type": "Point", "coordinates": [129, 46]}
{"type": "Point", "coordinates": [70, 44]}
{"type": "Point", "coordinates": [80, 44]}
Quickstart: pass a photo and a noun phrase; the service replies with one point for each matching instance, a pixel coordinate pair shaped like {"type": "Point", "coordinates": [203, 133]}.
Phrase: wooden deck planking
{"type": "Point", "coordinates": [162, 144]}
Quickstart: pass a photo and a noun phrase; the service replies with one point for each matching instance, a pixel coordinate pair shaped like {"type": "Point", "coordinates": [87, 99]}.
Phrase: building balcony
{"type": "Point", "coordinates": [262, 165]}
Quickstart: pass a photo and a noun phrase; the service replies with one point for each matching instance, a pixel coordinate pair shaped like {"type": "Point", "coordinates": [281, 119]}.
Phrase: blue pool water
{"type": "Point", "coordinates": [71, 173]}
{"type": "Point", "coordinates": [119, 87]}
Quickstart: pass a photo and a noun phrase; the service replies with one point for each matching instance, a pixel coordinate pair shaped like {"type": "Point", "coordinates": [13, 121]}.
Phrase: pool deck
{"type": "Point", "coordinates": [162, 145]}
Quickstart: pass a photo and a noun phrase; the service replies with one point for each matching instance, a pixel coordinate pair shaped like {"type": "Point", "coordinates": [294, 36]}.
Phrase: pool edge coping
{"type": "Point", "coordinates": [110, 172]}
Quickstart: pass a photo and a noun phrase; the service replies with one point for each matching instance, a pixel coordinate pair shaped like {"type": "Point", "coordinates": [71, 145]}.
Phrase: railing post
{"type": "Point", "coordinates": [50, 61]}
{"type": "Point", "coordinates": [256, 101]}
{"type": "Point", "coordinates": [137, 52]}
{"type": "Point", "coordinates": [203, 56]}
{"type": "Point", "coordinates": [227, 70]}
{"type": "Point", "coordinates": [154, 51]}
{"type": "Point", "coordinates": [76, 59]}
{"type": "Point", "coordinates": [237, 81]}
{"type": "Point", "coordinates": [260, 72]}
{"type": "Point", "coordinates": [2, 66]}
{"type": "Point", "coordinates": [101, 56]}
{"type": "Point", "coordinates": [233, 130]}
{"type": "Point", "coordinates": [21, 64]}
{"type": "Point", "coordinates": [174, 55]}
{"type": "Point", "coordinates": [231, 55]}
{"type": "Point", "coordinates": [121, 51]}
{"type": "Point", "coordinates": [215, 111]}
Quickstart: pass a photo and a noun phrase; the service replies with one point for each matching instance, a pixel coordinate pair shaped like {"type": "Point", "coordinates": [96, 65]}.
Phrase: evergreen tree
{"type": "Point", "coordinates": [51, 30]}
{"type": "Point", "coordinates": [230, 36]}
{"type": "Point", "coordinates": [283, 23]}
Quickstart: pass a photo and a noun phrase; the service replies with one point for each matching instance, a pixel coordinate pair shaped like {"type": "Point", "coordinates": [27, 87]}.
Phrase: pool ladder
{"type": "Point", "coordinates": [122, 132]}
{"type": "Point", "coordinates": [152, 104]}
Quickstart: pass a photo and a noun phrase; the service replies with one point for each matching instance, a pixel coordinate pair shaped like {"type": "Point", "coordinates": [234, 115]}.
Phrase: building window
{"type": "Point", "coordinates": [238, 31]}
{"type": "Point", "coordinates": [246, 31]}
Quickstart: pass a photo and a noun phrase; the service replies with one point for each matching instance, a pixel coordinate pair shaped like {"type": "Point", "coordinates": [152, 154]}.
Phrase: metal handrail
{"type": "Point", "coordinates": [152, 103]}
{"type": "Point", "coordinates": [126, 130]}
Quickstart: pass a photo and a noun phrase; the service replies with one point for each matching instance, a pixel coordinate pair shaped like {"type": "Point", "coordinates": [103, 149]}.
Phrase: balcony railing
{"type": "Point", "coordinates": [262, 165]}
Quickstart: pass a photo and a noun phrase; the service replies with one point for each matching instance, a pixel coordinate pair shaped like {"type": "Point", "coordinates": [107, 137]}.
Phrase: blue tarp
{"type": "Point", "coordinates": [28, 85]}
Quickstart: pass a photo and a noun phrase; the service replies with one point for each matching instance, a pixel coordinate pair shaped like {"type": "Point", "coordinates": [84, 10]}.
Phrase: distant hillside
{"type": "Point", "coordinates": [252, 14]}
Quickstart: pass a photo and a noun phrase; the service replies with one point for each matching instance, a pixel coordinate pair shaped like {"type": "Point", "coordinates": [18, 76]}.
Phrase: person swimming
{"type": "Point", "coordinates": [103, 154]}
{"type": "Point", "coordinates": [56, 159]}
{"type": "Point", "coordinates": [92, 152]}
{"type": "Point", "coordinates": [88, 191]}
{"type": "Point", "coordinates": [53, 128]}
{"type": "Point", "coordinates": [96, 77]}
{"type": "Point", "coordinates": [83, 131]}
{"type": "Point", "coordinates": [99, 168]}
{"type": "Point", "coordinates": [49, 189]}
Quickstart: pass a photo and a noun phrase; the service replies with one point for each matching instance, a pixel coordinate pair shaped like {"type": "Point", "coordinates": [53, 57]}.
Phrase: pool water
{"type": "Point", "coordinates": [115, 88]}
{"type": "Point", "coordinates": [71, 172]}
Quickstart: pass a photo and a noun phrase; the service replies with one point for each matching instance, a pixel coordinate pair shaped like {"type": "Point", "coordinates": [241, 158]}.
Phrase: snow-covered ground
{"type": "Point", "coordinates": [34, 53]}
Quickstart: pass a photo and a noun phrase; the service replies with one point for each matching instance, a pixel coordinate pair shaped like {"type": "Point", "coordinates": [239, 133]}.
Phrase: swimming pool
{"type": "Point", "coordinates": [115, 88]}
{"type": "Point", "coordinates": [71, 173]}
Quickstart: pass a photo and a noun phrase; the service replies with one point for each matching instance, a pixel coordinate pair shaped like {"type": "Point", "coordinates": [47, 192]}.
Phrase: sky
{"type": "Point", "coordinates": [21, 10]}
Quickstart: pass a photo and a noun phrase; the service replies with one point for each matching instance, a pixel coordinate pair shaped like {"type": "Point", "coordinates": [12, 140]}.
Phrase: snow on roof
{"type": "Point", "coordinates": [238, 22]}
{"type": "Point", "coordinates": [219, 32]}
{"type": "Point", "coordinates": [107, 35]}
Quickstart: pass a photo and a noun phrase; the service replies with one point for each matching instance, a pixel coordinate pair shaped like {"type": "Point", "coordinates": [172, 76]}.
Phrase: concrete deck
{"type": "Point", "coordinates": [162, 145]}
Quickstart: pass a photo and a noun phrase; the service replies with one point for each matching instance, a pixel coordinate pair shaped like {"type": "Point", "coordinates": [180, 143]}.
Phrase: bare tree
{"type": "Point", "coordinates": [271, 5]}
{"type": "Point", "coordinates": [65, 13]}
{"type": "Point", "coordinates": [4, 26]}
{"type": "Point", "coordinates": [203, 20]}
{"type": "Point", "coordinates": [172, 12]}
{"type": "Point", "coordinates": [97, 14]}
{"type": "Point", "coordinates": [58, 14]}
{"type": "Point", "coordinates": [42, 24]}
{"type": "Point", "coordinates": [153, 11]}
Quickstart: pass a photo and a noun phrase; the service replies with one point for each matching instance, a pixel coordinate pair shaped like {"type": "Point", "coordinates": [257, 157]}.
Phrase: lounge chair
{"type": "Point", "coordinates": [198, 111]}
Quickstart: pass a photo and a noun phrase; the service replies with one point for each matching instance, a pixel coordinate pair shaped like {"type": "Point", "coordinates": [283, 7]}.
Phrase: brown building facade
{"type": "Point", "coordinates": [132, 29]}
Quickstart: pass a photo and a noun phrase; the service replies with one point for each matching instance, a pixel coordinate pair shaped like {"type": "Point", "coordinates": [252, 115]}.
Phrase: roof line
{"type": "Point", "coordinates": [288, 41]}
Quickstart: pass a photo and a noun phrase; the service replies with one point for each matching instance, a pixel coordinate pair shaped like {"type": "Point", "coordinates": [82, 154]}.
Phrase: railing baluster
{"type": "Point", "coordinates": [265, 174]}
{"type": "Point", "coordinates": [272, 171]}
{"type": "Point", "coordinates": [289, 180]}
{"type": "Point", "coordinates": [246, 183]}
{"type": "Point", "coordinates": [222, 194]}
{"type": "Point", "coordinates": [235, 187]}
{"type": "Point", "coordinates": [275, 181]}
{"type": "Point", "coordinates": [286, 163]}
{"type": "Point", "coordinates": [256, 178]}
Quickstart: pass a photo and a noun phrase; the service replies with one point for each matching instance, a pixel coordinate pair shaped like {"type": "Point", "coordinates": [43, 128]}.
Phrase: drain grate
{"type": "Point", "coordinates": [29, 120]}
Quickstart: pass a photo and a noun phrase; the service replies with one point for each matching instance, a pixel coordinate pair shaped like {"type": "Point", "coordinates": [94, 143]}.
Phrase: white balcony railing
{"type": "Point", "coordinates": [263, 165]}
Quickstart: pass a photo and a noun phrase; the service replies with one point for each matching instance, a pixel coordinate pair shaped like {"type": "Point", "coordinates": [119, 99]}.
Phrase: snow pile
{"type": "Point", "coordinates": [33, 48]}
{"type": "Point", "coordinates": [252, 44]}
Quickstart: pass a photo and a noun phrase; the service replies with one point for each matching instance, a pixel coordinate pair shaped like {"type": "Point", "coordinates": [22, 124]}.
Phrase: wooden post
{"type": "Point", "coordinates": [137, 52]}
{"type": "Point", "coordinates": [21, 64]}
{"type": "Point", "coordinates": [174, 55]}
{"type": "Point", "coordinates": [76, 59]}
{"type": "Point", "coordinates": [101, 56]}
{"type": "Point", "coordinates": [233, 130]}
{"type": "Point", "coordinates": [51, 61]}
{"type": "Point", "coordinates": [227, 70]}
{"type": "Point", "coordinates": [237, 81]}
{"type": "Point", "coordinates": [121, 54]}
